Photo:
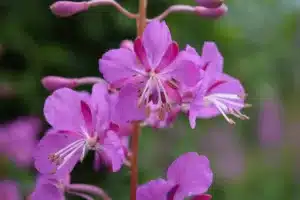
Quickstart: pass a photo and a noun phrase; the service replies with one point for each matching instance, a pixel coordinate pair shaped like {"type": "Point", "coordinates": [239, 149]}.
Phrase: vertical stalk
{"type": "Point", "coordinates": [141, 24]}
{"type": "Point", "coordinates": [134, 160]}
{"type": "Point", "coordinates": [142, 18]}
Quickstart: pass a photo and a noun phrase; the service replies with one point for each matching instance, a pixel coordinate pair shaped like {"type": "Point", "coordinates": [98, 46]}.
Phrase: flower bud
{"type": "Point", "coordinates": [210, 3]}
{"type": "Point", "coordinates": [128, 44]}
{"type": "Point", "coordinates": [202, 197]}
{"type": "Point", "coordinates": [55, 82]}
{"type": "Point", "coordinates": [211, 12]}
{"type": "Point", "coordinates": [68, 8]}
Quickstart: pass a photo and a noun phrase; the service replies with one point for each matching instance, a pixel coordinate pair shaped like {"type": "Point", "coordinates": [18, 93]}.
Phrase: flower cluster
{"type": "Point", "coordinates": [147, 82]}
{"type": "Point", "coordinates": [157, 80]}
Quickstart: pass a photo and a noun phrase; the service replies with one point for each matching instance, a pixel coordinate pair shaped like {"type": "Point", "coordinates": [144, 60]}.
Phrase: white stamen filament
{"type": "Point", "coordinates": [154, 82]}
{"type": "Point", "coordinates": [65, 159]}
{"type": "Point", "coordinates": [68, 148]}
{"type": "Point", "coordinates": [224, 102]}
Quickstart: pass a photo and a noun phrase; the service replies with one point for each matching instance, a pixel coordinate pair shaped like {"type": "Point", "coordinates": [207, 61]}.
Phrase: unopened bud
{"type": "Point", "coordinates": [202, 197]}
{"type": "Point", "coordinates": [128, 44]}
{"type": "Point", "coordinates": [68, 8]}
{"type": "Point", "coordinates": [210, 3]}
{"type": "Point", "coordinates": [52, 83]}
{"type": "Point", "coordinates": [211, 12]}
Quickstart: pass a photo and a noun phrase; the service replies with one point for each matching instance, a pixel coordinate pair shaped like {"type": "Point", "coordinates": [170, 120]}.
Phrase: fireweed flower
{"type": "Point", "coordinates": [79, 124]}
{"type": "Point", "coordinates": [55, 188]}
{"type": "Point", "coordinates": [19, 138]}
{"type": "Point", "coordinates": [216, 93]}
{"type": "Point", "coordinates": [9, 190]}
{"type": "Point", "coordinates": [152, 72]}
{"type": "Point", "coordinates": [189, 175]}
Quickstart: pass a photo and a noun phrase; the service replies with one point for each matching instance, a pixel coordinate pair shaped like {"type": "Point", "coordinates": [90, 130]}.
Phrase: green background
{"type": "Point", "coordinates": [260, 42]}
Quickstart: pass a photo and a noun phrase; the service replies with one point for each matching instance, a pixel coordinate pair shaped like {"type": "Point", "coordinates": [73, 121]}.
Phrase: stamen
{"type": "Point", "coordinates": [218, 106]}
{"type": "Point", "coordinates": [148, 111]}
{"type": "Point", "coordinates": [62, 156]}
{"type": "Point", "coordinates": [227, 96]}
{"type": "Point", "coordinates": [161, 114]}
{"type": "Point", "coordinates": [65, 159]}
{"type": "Point", "coordinates": [68, 147]}
{"type": "Point", "coordinates": [223, 103]}
{"type": "Point", "coordinates": [243, 96]}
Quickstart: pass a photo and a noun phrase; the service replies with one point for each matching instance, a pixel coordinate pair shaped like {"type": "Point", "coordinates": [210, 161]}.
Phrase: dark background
{"type": "Point", "coordinates": [260, 41]}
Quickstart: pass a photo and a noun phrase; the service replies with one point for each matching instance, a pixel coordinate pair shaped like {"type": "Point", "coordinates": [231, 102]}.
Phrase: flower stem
{"type": "Point", "coordinates": [134, 159]}
{"type": "Point", "coordinates": [142, 19]}
{"type": "Point", "coordinates": [141, 24]}
{"type": "Point", "coordinates": [90, 189]}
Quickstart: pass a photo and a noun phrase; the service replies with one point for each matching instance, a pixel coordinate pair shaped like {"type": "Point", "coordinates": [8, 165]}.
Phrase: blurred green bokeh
{"type": "Point", "coordinates": [260, 41]}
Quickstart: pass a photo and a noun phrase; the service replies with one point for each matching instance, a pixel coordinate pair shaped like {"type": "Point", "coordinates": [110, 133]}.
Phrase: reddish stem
{"type": "Point", "coordinates": [134, 160]}
{"type": "Point", "coordinates": [141, 24]}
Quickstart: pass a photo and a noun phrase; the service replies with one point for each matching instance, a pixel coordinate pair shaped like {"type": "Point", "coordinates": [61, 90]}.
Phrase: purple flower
{"type": "Point", "coordinates": [54, 188]}
{"type": "Point", "coordinates": [189, 175]}
{"type": "Point", "coordinates": [216, 93]}
{"type": "Point", "coordinates": [152, 72]}
{"type": "Point", "coordinates": [80, 123]}
{"type": "Point", "coordinates": [19, 138]}
{"type": "Point", "coordinates": [9, 190]}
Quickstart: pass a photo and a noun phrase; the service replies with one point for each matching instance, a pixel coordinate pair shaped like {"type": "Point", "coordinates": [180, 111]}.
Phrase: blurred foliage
{"type": "Point", "coordinates": [259, 39]}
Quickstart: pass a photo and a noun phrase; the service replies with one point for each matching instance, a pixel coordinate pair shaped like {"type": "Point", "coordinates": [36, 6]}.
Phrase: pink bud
{"type": "Point", "coordinates": [68, 8]}
{"type": "Point", "coordinates": [128, 44]}
{"type": "Point", "coordinates": [55, 82]}
{"type": "Point", "coordinates": [210, 3]}
{"type": "Point", "coordinates": [202, 197]}
{"type": "Point", "coordinates": [211, 12]}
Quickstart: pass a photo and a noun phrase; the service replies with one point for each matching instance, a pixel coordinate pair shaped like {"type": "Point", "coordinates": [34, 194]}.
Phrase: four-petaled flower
{"type": "Point", "coordinates": [152, 72]}
{"type": "Point", "coordinates": [216, 93]}
{"type": "Point", "coordinates": [80, 122]}
{"type": "Point", "coordinates": [189, 175]}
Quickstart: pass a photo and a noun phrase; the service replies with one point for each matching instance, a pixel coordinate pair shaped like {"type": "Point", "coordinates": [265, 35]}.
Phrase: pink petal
{"type": "Point", "coordinates": [127, 104]}
{"type": "Point", "coordinates": [192, 173]}
{"type": "Point", "coordinates": [101, 105]}
{"type": "Point", "coordinates": [140, 51]}
{"type": "Point", "coordinates": [87, 116]}
{"type": "Point", "coordinates": [168, 57]}
{"type": "Point", "coordinates": [62, 110]}
{"type": "Point", "coordinates": [51, 143]}
{"type": "Point", "coordinates": [173, 93]}
{"type": "Point", "coordinates": [47, 191]}
{"type": "Point", "coordinates": [113, 149]}
{"type": "Point", "coordinates": [156, 39]}
{"type": "Point", "coordinates": [184, 70]}
{"type": "Point", "coordinates": [195, 56]}
{"type": "Point", "coordinates": [229, 85]}
{"type": "Point", "coordinates": [118, 64]}
{"type": "Point", "coordinates": [210, 53]}
{"type": "Point", "coordinates": [156, 189]}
